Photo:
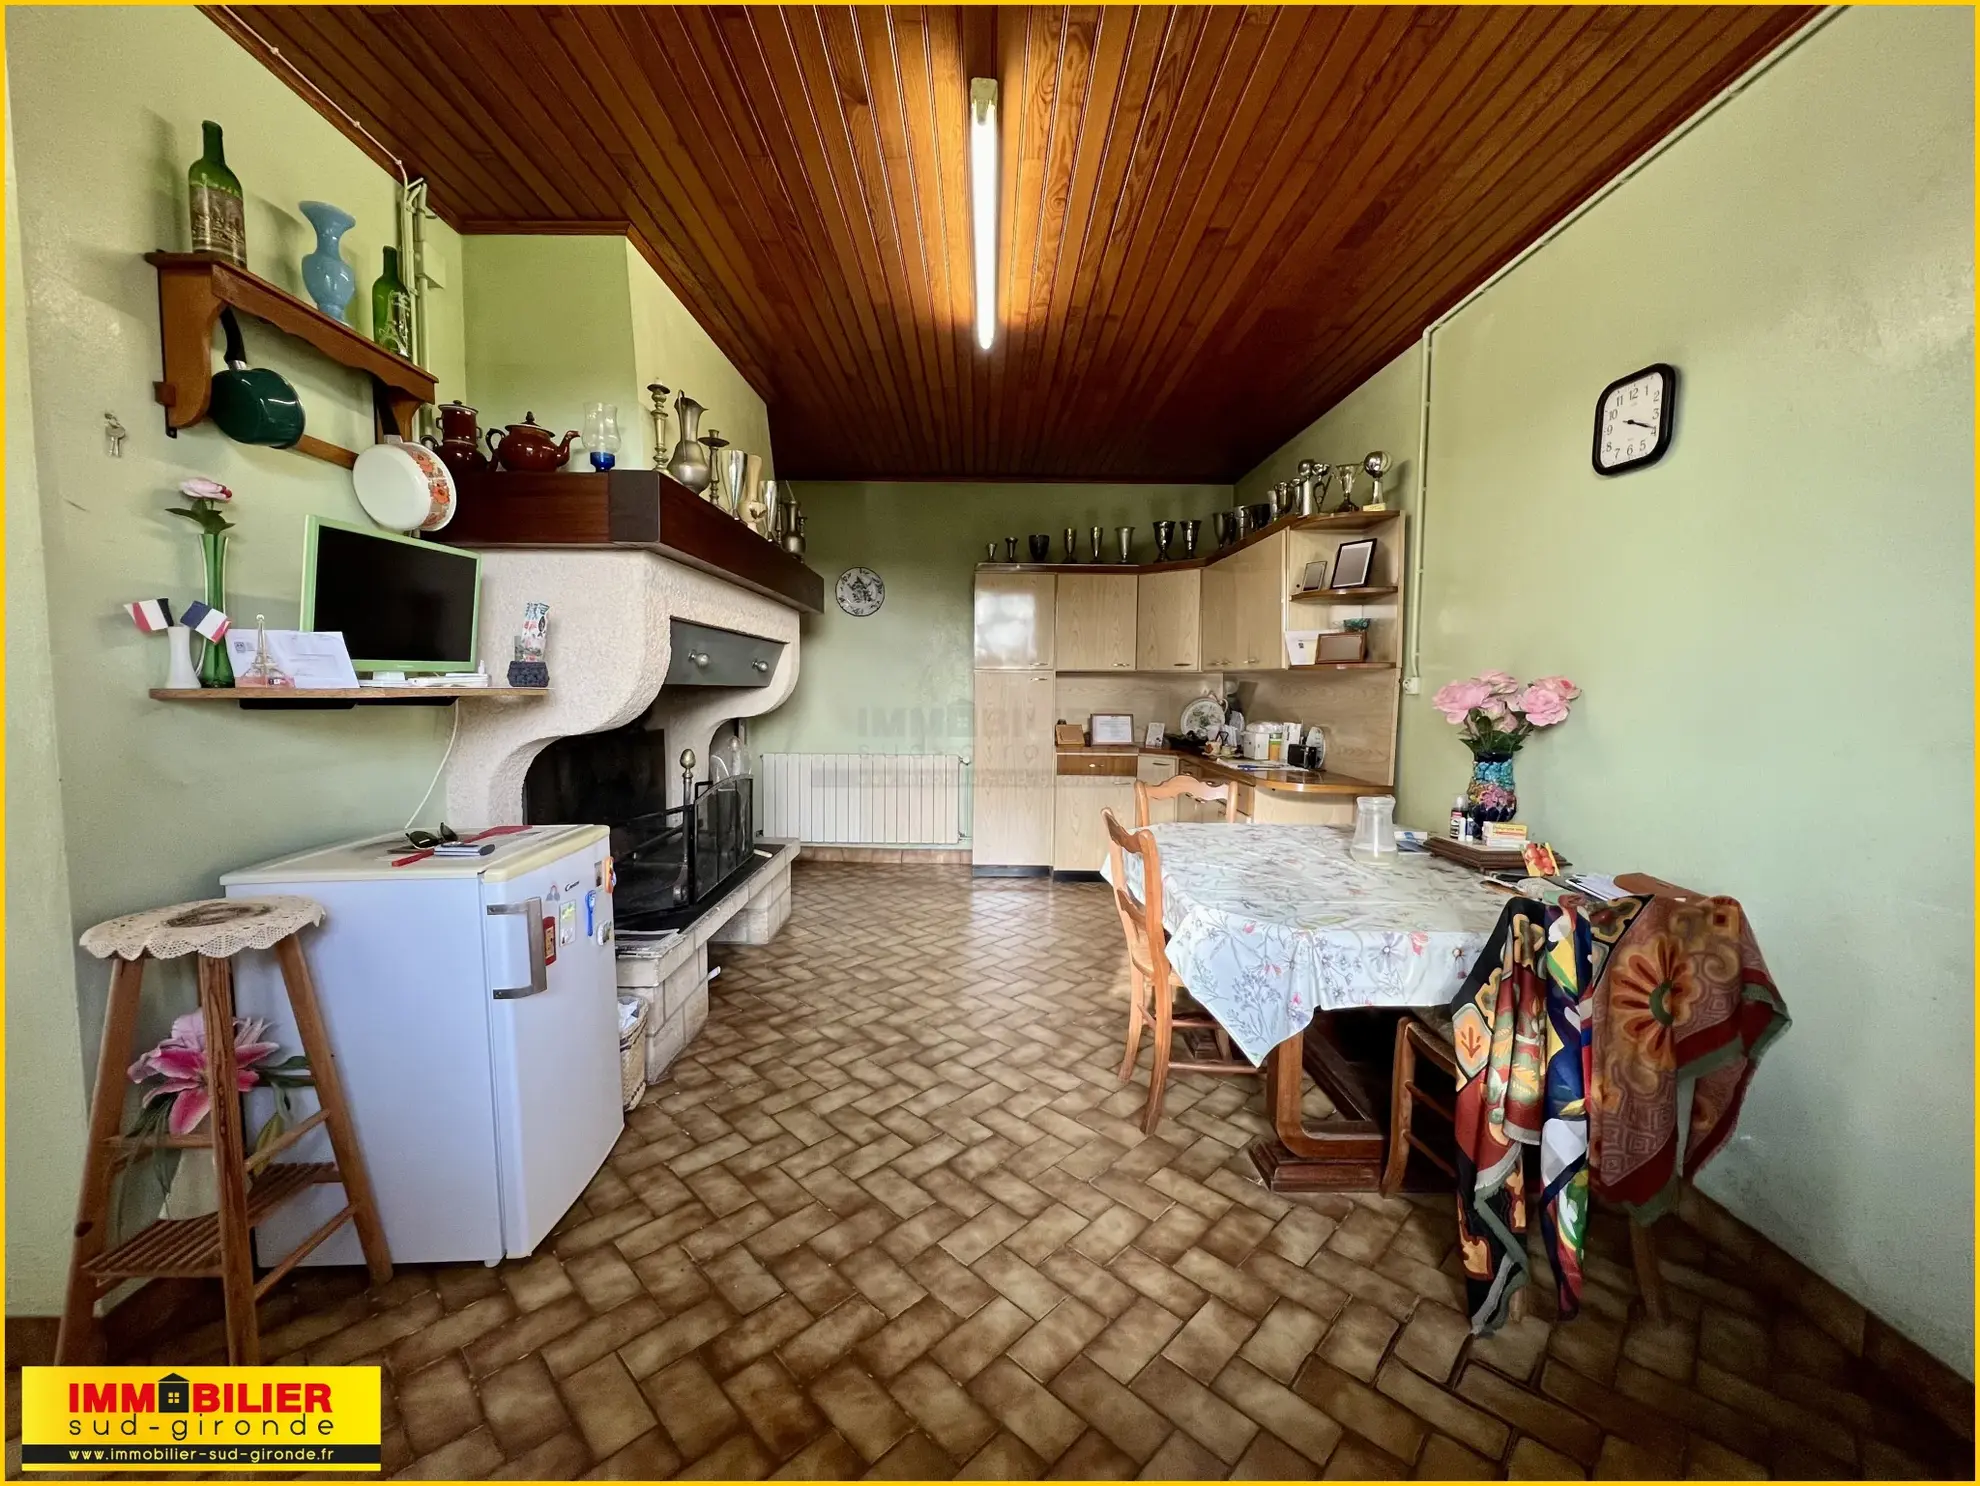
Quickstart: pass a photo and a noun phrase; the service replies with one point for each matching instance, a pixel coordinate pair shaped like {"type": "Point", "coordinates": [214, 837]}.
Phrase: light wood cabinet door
{"type": "Point", "coordinates": [1154, 769]}
{"type": "Point", "coordinates": [1095, 622]}
{"type": "Point", "coordinates": [1217, 613]}
{"type": "Point", "coordinates": [1259, 631]}
{"type": "Point", "coordinates": [1168, 621]}
{"type": "Point", "coordinates": [1015, 630]}
{"type": "Point", "coordinates": [1013, 769]}
{"type": "Point", "coordinates": [1079, 835]}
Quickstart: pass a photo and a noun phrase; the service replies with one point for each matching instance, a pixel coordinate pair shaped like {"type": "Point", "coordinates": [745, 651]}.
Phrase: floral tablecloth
{"type": "Point", "coordinates": [1270, 923]}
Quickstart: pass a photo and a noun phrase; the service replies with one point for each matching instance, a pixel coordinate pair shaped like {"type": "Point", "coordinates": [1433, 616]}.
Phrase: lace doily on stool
{"type": "Point", "coordinates": [215, 927]}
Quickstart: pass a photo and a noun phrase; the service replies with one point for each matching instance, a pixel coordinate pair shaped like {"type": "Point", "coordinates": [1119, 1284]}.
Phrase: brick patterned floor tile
{"type": "Point", "coordinates": [1269, 1458]}
{"type": "Point", "coordinates": [1533, 1461]}
{"type": "Point", "coordinates": [1357, 1460]}
{"type": "Point", "coordinates": [1127, 1422]}
{"type": "Point", "coordinates": [522, 1406]}
{"type": "Point", "coordinates": [1280, 1411]}
{"type": "Point", "coordinates": [914, 1458]}
{"type": "Point", "coordinates": [1359, 1339]}
{"type": "Point", "coordinates": [1446, 1460]}
{"type": "Point", "coordinates": [939, 1405]}
{"type": "Point", "coordinates": [1093, 1457]}
{"type": "Point", "coordinates": [1208, 1419]}
{"type": "Point", "coordinates": [607, 1405]}
{"type": "Point", "coordinates": [897, 1173]}
{"type": "Point", "coordinates": [693, 1410]}
{"type": "Point", "coordinates": [860, 1409]}
{"type": "Point", "coordinates": [1005, 1458]}
{"type": "Point", "coordinates": [1181, 1458]}
{"type": "Point", "coordinates": [1442, 1410]}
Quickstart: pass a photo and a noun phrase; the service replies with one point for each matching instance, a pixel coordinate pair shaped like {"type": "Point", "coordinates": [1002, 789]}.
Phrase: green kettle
{"type": "Point", "coordinates": [253, 405]}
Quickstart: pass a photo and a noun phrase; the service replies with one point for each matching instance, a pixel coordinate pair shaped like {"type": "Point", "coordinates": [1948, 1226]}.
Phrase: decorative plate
{"type": "Point", "coordinates": [860, 592]}
{"type": "Point", "coordinates": [1202, 717]}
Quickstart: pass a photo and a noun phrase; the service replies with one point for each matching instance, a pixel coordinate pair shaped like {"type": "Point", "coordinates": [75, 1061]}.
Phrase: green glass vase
{"type": "Point", "coordinates": [214, 667]}
{"type": "Point", "coordinates": [391, 308]}
{"type": "Point", "coordinates": [213, 194]}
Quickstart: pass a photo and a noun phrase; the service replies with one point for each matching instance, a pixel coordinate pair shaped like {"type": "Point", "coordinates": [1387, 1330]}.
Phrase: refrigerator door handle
{"type": "Point", "coordinates": [530, 910]}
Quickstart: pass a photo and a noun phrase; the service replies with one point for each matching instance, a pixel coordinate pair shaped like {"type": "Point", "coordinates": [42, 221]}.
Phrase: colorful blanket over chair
{"type": "Point", "coordinates": [1619, 1039]}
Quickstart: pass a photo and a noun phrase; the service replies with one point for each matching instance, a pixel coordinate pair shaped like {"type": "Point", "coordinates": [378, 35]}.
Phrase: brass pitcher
{"type": "Point", "coordinates": [690, 462]}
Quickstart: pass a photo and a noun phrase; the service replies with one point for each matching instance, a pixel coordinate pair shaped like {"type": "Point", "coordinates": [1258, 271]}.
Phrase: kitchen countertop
{"type": "Point", "coordinates": [1274, 777]}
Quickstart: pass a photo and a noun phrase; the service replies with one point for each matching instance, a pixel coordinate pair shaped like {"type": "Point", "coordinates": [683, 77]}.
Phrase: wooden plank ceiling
{"type": "Point", "coordinates": [1214, 221]}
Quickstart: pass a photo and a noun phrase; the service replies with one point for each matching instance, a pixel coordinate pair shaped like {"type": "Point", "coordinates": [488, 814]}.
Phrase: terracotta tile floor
{"type": "Point", "coordinates": [892, 1216]}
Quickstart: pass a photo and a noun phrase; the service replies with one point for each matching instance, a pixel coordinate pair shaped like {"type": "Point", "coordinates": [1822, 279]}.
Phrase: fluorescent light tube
{"type": "Point", "coordinates": [983, 202]}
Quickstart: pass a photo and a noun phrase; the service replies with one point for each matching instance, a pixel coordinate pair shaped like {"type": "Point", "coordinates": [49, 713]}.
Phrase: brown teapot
{"type": "Point", "coordinates": [459, 444]}
{"type": "Point", "coordinates": [530, 447]}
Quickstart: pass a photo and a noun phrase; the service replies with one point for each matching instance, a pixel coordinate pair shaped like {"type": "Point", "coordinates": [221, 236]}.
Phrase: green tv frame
{"type": "Point", "coordinates": [366, 663]}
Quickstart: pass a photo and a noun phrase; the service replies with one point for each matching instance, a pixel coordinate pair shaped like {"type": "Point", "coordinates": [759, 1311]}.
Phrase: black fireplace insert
{"type": "Point", "coordinates": [669, 859]}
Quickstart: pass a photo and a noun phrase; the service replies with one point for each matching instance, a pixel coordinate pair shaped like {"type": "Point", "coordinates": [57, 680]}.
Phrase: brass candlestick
{"type": "Point", "coordinates": [658, 413]}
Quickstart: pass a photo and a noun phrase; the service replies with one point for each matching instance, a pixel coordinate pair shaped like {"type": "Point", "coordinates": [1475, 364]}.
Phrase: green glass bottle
{"type": "Point", "coordinates": [213, 192]}
{"type": "Point", "coordinates": [391, 308]}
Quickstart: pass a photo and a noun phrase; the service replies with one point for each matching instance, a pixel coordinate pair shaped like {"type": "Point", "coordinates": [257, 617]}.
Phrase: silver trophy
{"type": "Point", "coordinates": [1377, 465]}
{"type": "Point", "coordinates": [1346, 472]}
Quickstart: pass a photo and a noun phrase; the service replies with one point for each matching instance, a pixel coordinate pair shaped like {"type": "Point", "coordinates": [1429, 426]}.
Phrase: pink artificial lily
{"type": "Point", "coordinates": [179, 1063]}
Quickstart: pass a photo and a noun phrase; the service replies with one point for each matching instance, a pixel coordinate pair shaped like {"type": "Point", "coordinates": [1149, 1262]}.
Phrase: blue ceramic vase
{"type": "Point", "coordinates": [330, 280]}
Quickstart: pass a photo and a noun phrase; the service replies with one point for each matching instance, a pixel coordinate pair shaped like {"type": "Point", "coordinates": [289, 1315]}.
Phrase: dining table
{"type": "Point", "coordinates": [1287, 939]}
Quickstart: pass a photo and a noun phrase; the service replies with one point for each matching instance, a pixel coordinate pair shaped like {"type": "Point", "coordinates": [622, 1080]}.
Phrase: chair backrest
{"type": "Point", "coordinates": [1145, 947]}
{"type": "Point", "coordinates": [1184, 784]}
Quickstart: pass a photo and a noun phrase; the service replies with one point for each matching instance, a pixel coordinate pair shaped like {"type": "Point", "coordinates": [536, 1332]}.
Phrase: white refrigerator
{"type": "Point", "coordinates": [472, 1005]}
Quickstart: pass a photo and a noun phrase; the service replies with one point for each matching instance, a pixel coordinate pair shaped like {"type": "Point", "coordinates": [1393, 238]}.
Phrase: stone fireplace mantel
{"type": "Point", "coordinates": [608, 651]}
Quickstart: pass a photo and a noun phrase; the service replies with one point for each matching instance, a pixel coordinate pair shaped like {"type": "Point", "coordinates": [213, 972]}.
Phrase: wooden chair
{"type": "Point", "coordinates": [1184, 784]}
{"type": "Point", "coordinates": [1418, 1034]}
{"type": "Point", "coordinates": [1149, 977]}
{"type": "Point", "coordinates": [250, 1186]}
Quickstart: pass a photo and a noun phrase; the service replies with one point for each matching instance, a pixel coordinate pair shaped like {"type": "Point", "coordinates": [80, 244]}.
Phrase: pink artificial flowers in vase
{"type": "Point", "coordinates": [1495, 714]}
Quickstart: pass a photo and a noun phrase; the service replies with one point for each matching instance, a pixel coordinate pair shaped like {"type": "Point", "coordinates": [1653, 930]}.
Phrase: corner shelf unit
{"type": "Point", "coordinates": [291, 699]}
{"type": "Point", "coordinates": [192, 290]}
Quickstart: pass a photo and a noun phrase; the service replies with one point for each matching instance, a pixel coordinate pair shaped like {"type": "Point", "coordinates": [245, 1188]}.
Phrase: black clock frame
{"type": "Point", "coordinates": [1666, 420]}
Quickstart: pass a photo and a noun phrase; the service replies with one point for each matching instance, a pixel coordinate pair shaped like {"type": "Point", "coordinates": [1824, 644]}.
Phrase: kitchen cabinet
{"type": "Point", "coordinates": [1217, 613]}
{"type": "Point", "coordinates": [1079, 834]}
{"type": "Point", "coordinates": [1015, 627]}
{"type": "Point", "coordinates": [1095, 622]}
{"type": "Point", "coordinates": [1258, 640]}
{"type": "Point", "coordinates": [1155, 769]}
{"type": "Point", "coordinates": [1013, 770]}
{"type": "Point", "coordinates": [1168, 621]}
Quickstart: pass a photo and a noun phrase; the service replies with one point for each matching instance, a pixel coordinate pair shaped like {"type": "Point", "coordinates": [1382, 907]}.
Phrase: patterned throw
{"type": "Point", "coordinates": [1619, 1039]}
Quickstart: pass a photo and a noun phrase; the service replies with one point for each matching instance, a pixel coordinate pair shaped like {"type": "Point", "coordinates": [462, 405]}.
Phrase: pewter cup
{"type": "Point", "coordinates": [1039, 545]}
{"type": "Point", "coordinates": [1010, 549]}
{"type": "Point", "coordinates": [989, 550]}
{"type": "Point", "coordinates": [735, 464]}
{"type": "Point", "coordinates": [1165, 535]}
{"type": "Point", "coordinates": [1191, 530]}
{"type": "Point", "coordinates": [1125, 536]}
{"type": "Point", "coordinates": [1072, 545]}
{"type": "Point", "coordinates": [1094, 554]}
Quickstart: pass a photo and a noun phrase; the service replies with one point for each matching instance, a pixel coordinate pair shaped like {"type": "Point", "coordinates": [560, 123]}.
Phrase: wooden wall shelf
{"type": "Point", "coordinates": [1331, 521]}
{"type": "Point", "coordinates": [1340, 595]}
{"type": "Point", "coordinates": [192, 290]}
{"type": "Point", "coordinates": [646, 509]}
{"type": "Point", "coordinates": [286, 699]}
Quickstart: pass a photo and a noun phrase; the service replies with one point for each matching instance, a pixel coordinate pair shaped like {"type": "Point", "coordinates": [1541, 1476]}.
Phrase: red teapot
{"type": "Point", "coordinates": [529, 446]}
{"type": "Point", "coordinates": [459, 444]}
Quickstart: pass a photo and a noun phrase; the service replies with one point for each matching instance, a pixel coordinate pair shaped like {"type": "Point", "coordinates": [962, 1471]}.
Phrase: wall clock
{"type": "Point", "coordinates": [1633, 419]}
{"type": "Point", "coordinates": [860, 592]}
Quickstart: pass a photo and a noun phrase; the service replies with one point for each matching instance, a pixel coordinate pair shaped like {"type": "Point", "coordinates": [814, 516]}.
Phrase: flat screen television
{"type": "Point", "coordinates": [401, 604]}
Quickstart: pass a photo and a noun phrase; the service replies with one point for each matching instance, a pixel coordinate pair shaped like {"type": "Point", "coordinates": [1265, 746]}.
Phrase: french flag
{"type": "Point", "coordinates": [204, 620]}
{"type": "Point", "coordinates": [150, 615]}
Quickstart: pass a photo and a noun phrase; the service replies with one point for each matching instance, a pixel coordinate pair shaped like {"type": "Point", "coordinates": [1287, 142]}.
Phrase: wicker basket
{"type": "Point", "coordinates": [632, 1058]}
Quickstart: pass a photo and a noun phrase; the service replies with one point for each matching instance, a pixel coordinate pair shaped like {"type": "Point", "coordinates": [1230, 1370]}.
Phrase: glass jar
{"type": "Point", "coordinates": [1374, 830]}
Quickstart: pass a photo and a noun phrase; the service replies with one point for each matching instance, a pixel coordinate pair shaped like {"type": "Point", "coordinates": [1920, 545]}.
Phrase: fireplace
{"type": "Point", "coordinates": [670, 860]}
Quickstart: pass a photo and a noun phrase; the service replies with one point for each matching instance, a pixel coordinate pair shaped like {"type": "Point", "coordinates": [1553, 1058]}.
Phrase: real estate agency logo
{"type": "Point", "coordinates": [274, 1418]}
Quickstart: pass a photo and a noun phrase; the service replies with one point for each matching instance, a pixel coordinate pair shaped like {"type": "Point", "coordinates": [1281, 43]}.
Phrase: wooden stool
{"type": "Point", "coordinates": [1419, 1033]}
{"type": "Point", "coordinates": [216, 1244]}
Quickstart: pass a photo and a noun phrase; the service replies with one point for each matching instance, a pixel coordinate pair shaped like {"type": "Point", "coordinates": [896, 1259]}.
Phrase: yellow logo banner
{"type": "Point", "coordinates": [199, 1418]}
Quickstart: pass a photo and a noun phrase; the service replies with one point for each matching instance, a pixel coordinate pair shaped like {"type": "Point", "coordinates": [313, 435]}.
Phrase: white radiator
{"type": "Point", "coordinates": [863, 799]}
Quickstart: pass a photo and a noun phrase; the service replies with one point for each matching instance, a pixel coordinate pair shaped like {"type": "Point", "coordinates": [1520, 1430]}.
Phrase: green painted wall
{"type": "Point", "coordinates": [155, 800]}
{"type": "Point", "coordinates": [1773, 625]}
{"type": "Point", "coordinates": [899, 680]}
{"type": "Point", "coordinates": [556, 322]}
{"type": "Point", "coordinates": [1382, 413]}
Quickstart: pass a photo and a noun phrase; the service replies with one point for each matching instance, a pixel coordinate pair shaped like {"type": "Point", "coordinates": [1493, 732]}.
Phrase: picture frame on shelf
{"type": "Point", "coordinates": [1314, 577]}
{"type": "Point", "coordinates": [1353, 563]}
{"type": "Point", "coordinates": [1111, 728]}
